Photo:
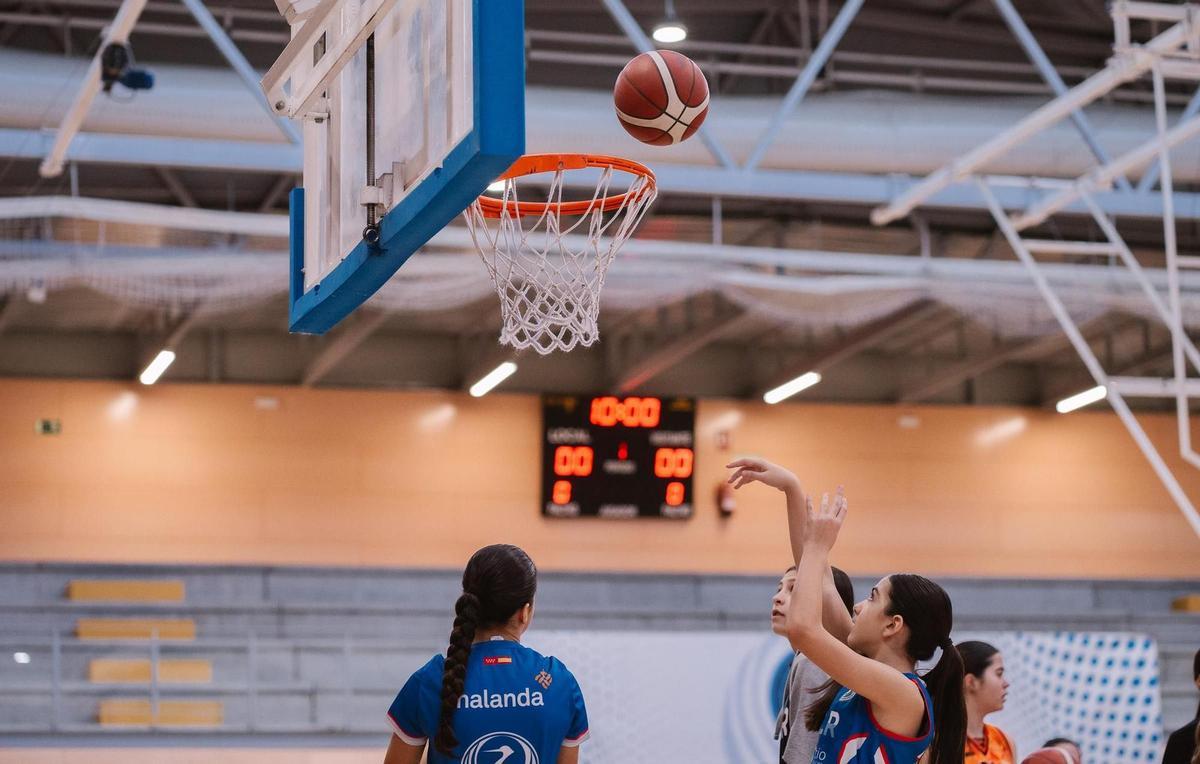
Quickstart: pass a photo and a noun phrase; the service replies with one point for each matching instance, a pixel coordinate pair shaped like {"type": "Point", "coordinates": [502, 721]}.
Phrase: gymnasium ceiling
{"type": "Point", "coordinates": [926, 351]}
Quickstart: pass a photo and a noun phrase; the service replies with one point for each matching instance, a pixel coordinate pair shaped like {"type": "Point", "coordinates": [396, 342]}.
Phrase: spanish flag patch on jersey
{"type": "Point", "coordinates": [496, 660]}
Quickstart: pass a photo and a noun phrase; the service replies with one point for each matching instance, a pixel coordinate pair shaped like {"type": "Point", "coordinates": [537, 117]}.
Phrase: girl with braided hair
{"type": "Point", "coordinates": [490, 699]}
{"type": "Point", "coordinates": [875, 708]}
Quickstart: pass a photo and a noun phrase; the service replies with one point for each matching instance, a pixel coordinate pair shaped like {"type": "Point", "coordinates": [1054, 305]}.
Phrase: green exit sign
{"type": "Point", "coordinates": [48, 427]}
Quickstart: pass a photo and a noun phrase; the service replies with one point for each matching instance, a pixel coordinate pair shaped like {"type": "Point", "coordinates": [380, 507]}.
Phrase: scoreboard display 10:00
{"type": "Point", "coordinates": [612, 456]}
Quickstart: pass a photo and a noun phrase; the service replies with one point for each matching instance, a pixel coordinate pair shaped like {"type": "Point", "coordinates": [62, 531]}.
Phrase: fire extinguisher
{"type": "Point", "coordinates": [726, 503]}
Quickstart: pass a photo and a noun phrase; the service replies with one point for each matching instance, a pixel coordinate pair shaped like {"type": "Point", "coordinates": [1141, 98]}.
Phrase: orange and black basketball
{"type": "Point", "coordinates": [661, 97]}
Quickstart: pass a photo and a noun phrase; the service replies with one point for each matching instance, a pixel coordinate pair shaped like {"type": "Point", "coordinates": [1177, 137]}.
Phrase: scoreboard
{"type": "Point", "coordinates": [621, 457]}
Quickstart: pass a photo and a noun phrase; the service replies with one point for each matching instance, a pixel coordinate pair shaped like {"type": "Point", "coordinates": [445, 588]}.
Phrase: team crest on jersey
{"type": "Point", "coordinates": [544, 679]}
{"type": "Point", "coordinates": [500, 748]}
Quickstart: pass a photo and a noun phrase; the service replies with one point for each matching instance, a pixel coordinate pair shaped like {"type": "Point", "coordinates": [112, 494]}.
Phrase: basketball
{"type": "Point", "coordinates": [661, 97]}
{"type": "Point", "coordinates": [1048, 756]}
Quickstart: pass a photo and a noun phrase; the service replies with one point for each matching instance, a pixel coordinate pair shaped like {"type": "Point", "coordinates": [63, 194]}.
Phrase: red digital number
{"type": "Point", "coordinates": [608, 411]}
{"type": "Point", "coordinates": [651, 412]}
{"type": "Point", "coordinates": [562, 492]}
{"type": "Point", "coordinates": [675, 494]}
{"type": "Point", "coordinates": [604, 411]}
{"type": "Point", "coordinates": [673, 462]}
{"type": "Point", "coordinates": [573, 461]}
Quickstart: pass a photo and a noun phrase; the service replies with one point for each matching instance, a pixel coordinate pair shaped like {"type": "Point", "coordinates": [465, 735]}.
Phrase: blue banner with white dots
{"type": "Point", "coordinates": [1100, 689]}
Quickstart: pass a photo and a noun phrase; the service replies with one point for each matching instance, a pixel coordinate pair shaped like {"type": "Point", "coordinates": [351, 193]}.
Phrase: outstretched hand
{"type": "Point", "coordinates": [752, 469]}
{"type": "Point", "coordinates": [825, 521]}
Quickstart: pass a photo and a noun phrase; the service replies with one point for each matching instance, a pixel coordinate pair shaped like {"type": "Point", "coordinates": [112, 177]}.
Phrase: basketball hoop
{"type": "Point", "coordinates": [547, 272]}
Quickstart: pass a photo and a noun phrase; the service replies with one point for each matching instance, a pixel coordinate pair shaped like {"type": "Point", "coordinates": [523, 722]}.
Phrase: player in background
{"type": "Point", "coordinates": [985, 690]}
{"type": "Point", "coordinates": [1066, 744]}
{"type": "Point", "coordinates": [804, 680]}
{"type": "Point", "coordinates": [876, 707]}
{"type": "Point", "coordinates": [490, 698]}
{"type": "Point", "coordinates": [1183, 746]}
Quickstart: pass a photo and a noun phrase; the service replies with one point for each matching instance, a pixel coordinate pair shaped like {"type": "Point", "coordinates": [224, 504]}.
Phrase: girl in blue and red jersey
{"type": "Point", "coordinates": [876, 709]}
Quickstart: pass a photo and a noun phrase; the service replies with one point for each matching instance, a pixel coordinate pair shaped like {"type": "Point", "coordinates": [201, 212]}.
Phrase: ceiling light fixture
{"type": "Point", "coordinates": [670, 29]}
{"type": "Point", "coordinates": [788, 389]}
{"type": "Point", "coordinates": [1079, 400]}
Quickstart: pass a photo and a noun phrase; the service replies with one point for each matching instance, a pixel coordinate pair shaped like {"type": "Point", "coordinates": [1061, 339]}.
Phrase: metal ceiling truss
{"type": "Point", "coordinates": [1173, 53]}
{"type": "Point", "coordinates": [727, 178]}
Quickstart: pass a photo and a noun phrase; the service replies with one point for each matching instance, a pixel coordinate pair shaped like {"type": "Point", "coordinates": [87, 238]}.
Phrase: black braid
{"type": "Point", "coordinates": [454, 675]}
{"type": "Point", "coordinates": [498, 581]}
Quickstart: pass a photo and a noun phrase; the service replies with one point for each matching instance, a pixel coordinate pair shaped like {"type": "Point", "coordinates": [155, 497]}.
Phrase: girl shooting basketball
{"type": "Point", "coordinates": [876, 708]}
{"type": "Point", "coordinates": [490, 698]}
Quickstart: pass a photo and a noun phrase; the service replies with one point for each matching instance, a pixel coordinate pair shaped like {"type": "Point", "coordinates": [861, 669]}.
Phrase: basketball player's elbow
{"type": "Point", "coordinates": [804, 632]}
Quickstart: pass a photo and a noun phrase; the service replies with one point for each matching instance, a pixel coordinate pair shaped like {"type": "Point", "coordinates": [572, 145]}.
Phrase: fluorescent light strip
{"type": "Point", "coordinates": [493, 378]}
{"type": "Point", "coordinates": [1079, 400]}
{"type": "Point", "coordinates": [788, 389]}
{"type": "Point", "coordinates": [161, 363]}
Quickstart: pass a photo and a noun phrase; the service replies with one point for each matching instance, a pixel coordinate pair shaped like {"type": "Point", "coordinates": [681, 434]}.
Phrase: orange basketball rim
{"type": "Point", "coordinates": [534, 164]}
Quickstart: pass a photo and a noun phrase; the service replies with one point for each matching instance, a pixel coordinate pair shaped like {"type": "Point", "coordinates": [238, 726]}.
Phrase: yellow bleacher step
{"type": "Point", "coordinates": [1189, 603]}
{"type": "Point", "coordinates": [135, 628]}
{"type": "Point", "coordinates": [175, 713]}
{"type": "Point", "coordinates": [134, 671]}
{"type": "Point", "coordinates": [112, 590]}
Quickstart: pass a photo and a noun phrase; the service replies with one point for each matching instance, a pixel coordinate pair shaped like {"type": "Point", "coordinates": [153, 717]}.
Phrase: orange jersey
{"type": "Point", "coordinates": [995, 748]}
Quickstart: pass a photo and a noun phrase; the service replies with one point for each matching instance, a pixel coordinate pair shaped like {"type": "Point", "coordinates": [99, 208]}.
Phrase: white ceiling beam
{"type": "Point", "coordinates": [855, 341]}
{"type": "Point", "coordinates": [856, 189]}
{"type": "Point", "coordinates": [970, 368]}
{"type": "Point", "coordinates": [177, 189]}
{"type": "Point", "coordinates": [127, 16]}
{"type": "Point", "coordinates": [663, 356]}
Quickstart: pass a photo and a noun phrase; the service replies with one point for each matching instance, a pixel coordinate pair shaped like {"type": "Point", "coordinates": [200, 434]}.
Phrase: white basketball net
{"type": "Point", "coordinates": [549, 276]}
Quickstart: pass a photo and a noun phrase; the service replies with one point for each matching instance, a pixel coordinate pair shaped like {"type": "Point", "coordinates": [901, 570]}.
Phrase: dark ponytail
{"type": "Point", "coordinates": [929, 615]}
{"type": "Point", "coordinates": [976, 657]}
{"type": "Point", "coordinates": [498, 581]}
{"type": "Point", "coordinates": [815, 712]}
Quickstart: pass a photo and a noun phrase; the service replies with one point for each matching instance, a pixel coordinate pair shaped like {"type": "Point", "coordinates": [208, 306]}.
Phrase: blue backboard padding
{"type": "Point", "coordinates": [296, 243]}
{"type": "Point", "coordinates": [495, 142]}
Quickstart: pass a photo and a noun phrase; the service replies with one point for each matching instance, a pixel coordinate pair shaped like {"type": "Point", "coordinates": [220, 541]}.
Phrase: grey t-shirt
{"type": "Point", "coordinates": [796, 742]}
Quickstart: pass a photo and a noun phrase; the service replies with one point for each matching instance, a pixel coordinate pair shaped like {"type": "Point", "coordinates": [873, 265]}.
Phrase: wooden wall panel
{"type": "Point", "coordinates": [201, 474]}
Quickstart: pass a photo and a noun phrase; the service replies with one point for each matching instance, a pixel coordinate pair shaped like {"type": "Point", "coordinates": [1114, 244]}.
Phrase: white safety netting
{"type": "Point", "coordinates": [145, 263]}
{"type": "Point", "coordinates": [549, 283]}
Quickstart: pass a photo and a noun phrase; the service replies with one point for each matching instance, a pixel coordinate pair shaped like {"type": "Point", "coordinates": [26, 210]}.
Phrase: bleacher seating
{"type": "Point", "coordinates": [329, 647]}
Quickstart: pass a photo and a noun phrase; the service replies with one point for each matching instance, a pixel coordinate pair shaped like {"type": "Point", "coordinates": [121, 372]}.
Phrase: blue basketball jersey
{"type": "Point", "coordinates": [850, 734]}
{"type": "Point", "coordinates": [517, 707]}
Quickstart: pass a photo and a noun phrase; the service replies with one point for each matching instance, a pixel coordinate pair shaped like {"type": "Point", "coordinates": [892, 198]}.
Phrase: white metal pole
{"type": "Point", "coordinates": [1121, 68]}
{"type": "Point", "coordinates": [234, 56]}
{"type": "Point", "coordinates": [127, 16]}
{"type": "Point", "coordinates": [800, 87]}
{"type": "Point", "coordinates": [1103, 176]}
{"type": "Point", "coordinates": [1175, 324]}
{"type": "Point", "coordinates": [1089, 359]}
{"type": "Point", "coordinates": [1151, 175]}
{"type": "Point", "coordinates": [1040, 60]}
{"type": "Point", "coordinates": [1139, 273]}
